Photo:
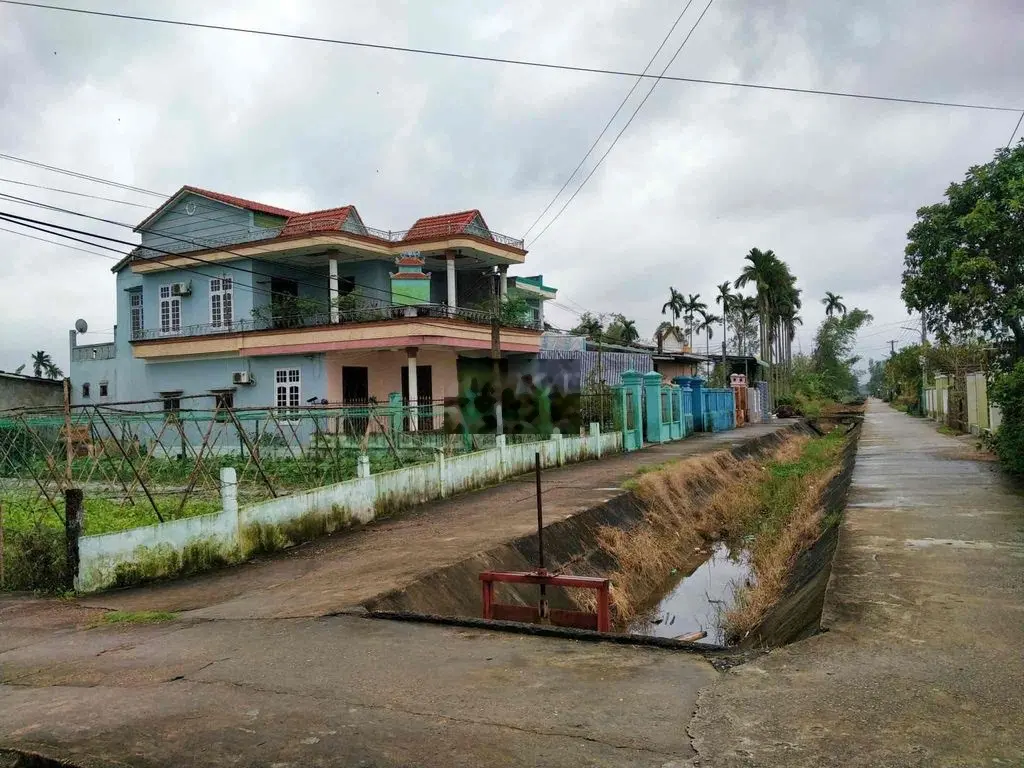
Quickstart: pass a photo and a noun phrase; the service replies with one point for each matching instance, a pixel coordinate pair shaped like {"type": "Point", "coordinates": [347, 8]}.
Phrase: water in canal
{"type": "Point", "coordinates": [697, 601]}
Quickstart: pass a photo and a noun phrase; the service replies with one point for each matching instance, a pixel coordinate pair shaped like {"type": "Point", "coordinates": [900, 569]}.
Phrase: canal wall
{"type": "Point", "coordinates": [798, 613]}
{"type": "Point", "coordinates": [576, 545]}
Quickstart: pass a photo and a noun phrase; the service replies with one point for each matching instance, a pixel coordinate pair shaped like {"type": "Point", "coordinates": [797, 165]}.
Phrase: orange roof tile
{"type": "Point", "coordinates": [317, 221]}
{"type": "Point", "coordinates": [240, 202]}
{"type": "Point", "coordinates": [445, 224]}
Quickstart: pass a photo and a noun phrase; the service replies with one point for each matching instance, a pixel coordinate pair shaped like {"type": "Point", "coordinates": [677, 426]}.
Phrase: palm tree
{"type": "Point", "coordinates": [833, 303]}
{"type": "Point", "coordinates": [589, 326]}
{"type": "Point", "coordinates": [707, 325]}
{"type": "Point", "coordinates": [777, 300]}
{"type": "Point", "coordinates": [675, 305]}
{"type": "Point", "coordinates": [693, 305]}
{"type": "Point", "coordinates": [623, 330]}
{"type": "Point", "coordinates": [746, 312]}
{"type": "Point", "coordinates": [41, 362]}
{"type": "Point", "coordinates": [725, 298]}
{"type": "Point", "coordinates": [53, 372]}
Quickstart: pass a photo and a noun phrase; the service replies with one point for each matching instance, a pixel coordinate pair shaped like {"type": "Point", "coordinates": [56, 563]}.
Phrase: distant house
{"type": "Point", "coordinates": [597, 362]}
{"type": "Point", "coordinates": [18, 391]}
{"type": "Point", "coordinates": [261, 306]}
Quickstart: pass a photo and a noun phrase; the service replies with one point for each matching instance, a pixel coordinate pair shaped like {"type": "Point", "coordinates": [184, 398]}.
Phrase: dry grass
{"type": "Point", "coordinates": [770, 501]}
{"type": "Point", "coordinates": [688, 505]}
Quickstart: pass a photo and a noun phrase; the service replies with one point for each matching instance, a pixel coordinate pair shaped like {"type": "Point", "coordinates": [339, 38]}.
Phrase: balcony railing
{"type": "Point", "coordinates": [320, 319]}
{"type": "Point", "coordinates": [181, 244]}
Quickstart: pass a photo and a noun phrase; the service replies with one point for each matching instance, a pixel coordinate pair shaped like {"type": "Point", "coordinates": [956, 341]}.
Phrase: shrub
{"type": "Point", "coordinates": [1008, 394]}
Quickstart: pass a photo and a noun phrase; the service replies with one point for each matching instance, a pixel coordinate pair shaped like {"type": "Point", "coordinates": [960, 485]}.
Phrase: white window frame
{"type": "Point", "coordinates": [288, 391]}
{"type": "Point", "coordinates": [137, 319]}
{"type": "Point", "coordinates": [172, 304]}
{"type": "Point", "coordinates": [222, 302]}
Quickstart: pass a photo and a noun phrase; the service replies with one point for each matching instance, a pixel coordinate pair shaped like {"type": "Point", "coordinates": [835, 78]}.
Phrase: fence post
{"type": "Point", "coordinates": [362, 466]}
{"type": "Point", "coordinates": [442, 471]}
{"type": "Point", "coordinates": [595, 437]}
{"type": "Point", "coordinates": [556, 435]}
{"type": "Point", "coordinates": [72, 531]}
{"type": "Point", "coordinates": [229, 498]}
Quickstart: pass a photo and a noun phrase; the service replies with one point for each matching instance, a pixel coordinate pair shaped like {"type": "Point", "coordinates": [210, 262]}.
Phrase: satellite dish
{"type": "Point", "coordinates": [81, 326]}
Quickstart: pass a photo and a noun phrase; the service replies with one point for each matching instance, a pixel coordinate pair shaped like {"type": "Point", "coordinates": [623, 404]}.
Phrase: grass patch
{"type": "Point", "coordinates": [135, 617]}
{"type": "Point", "coordinates": [947, 430]}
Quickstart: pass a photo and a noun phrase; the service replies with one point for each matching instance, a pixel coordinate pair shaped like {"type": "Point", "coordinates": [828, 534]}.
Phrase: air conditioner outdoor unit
{"type": "Point", "coordinates": [181, 289]}
{"type": "Point", "coordinates": [242, 377]}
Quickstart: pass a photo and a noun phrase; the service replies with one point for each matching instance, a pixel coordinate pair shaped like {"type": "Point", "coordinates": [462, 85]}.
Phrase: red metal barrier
{"type": "Point", "coordinates": [601, 621]}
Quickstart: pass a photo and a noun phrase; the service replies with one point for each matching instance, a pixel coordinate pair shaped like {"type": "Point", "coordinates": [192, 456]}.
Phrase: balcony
{"type": "Point", "coordinates": [373, 327]}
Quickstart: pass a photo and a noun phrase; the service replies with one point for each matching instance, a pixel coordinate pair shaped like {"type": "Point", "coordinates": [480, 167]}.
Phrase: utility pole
{"type": "Point", "coordinates": [499, 423]}
{"type": "Point", "coordinates": [892, 347]}
{"type": "Point", "coordinates": [600, 369]}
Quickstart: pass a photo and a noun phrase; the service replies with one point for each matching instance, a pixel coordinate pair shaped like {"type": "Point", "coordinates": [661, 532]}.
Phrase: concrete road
{"type": "Point", "coordinates": [924, 661]}
{"type": "Point", "coordinates": [340, 691]}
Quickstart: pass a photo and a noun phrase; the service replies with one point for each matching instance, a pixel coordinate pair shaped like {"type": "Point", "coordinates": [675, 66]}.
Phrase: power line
{"type": "Point", "coordinates": [499, 60]}
{"type": "Point", "coordinates": [54, 242]}
{"type": "Point", "coordinates": [161, 251]}
{"type": "Point", "coordinates": [78, 175]}
{"type": "Point", "coordinates": [1015, 129]}
{"type": "Point", "coordinates": [71, 192]}
{"type": "Point", "coordinates": [624, 127]}
{"type": "Point", "coordinates": [610, 119]}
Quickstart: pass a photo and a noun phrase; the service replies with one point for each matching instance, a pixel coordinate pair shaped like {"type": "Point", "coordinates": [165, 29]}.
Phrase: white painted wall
{"type": "Point", "coordinates": [361, 498]}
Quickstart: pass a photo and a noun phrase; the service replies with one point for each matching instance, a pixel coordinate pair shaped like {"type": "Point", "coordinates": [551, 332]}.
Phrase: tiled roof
{"type": "Point", "coordinates": [317, 221]}
{"type": "Point", "coordinates": [445, 224]}
{"type": "Point", "coordinates": [240, 202]}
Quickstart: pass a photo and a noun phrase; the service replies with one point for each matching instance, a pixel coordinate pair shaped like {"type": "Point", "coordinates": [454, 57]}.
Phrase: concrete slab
{"type": "Point", "coordinates": [922, 665]}
{"type": "Point", "coordinates": [346, 691]}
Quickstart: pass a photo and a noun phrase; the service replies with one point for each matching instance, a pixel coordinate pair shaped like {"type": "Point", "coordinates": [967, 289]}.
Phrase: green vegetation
{"type": "Point", "coordinates": [1008, 394]}
{"type": "Point", "coordinates": [136, 617]}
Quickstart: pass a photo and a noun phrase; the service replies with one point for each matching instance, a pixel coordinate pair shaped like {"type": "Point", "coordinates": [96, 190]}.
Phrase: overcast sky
{"type": "Point", "coordinates": [703, 174]}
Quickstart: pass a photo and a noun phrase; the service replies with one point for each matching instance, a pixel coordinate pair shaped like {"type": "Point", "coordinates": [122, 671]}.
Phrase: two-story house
{"type": "Point", "coordinates": [266, 307]}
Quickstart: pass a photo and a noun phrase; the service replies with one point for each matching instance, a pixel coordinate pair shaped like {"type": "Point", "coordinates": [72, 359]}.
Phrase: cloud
{"type": "Point", "coordinates": [703, 174]}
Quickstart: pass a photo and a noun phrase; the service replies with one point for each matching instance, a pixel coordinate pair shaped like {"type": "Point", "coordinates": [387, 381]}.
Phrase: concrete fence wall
{"type": "Point", "coordinates": [193, 544]}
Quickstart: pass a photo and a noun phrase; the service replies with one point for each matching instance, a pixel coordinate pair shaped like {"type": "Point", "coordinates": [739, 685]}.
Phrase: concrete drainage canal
{"type": "Point", "coordinates": [728, 549]}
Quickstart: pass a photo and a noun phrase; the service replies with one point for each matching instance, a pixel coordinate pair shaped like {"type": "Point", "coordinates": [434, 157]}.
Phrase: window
{"type": "Point", "coordinates": [85, 389]}
{"type": "Point", "coordinates": [221, 303]}
{"type": "Point", "coordinates": [135, 305]}
{"type": "Point", "coordinates": [103, 389]}
{"type": "Point", "coordinates": [170, 311]}
{"type": "Point", "coordinates": [172, 404]}
{"type": "Point", "coordinates": [224, 401]}
{"type": "Point", "coordinates": [287, 389]}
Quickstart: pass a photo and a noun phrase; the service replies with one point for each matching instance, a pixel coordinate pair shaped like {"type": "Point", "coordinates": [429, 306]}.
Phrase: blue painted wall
{"type": "Point", "coordinates": [210, 224]}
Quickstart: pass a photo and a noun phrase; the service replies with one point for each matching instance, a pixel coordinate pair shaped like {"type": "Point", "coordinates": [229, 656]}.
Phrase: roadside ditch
{"type": "Point", "coordinates": [737, 544]}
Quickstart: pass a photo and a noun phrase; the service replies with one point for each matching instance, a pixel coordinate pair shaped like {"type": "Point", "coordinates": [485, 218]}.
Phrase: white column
{"type": "Point", "coordinates": [503, 270]}
{"type": "Point", "coordinates": [332, 290]}
{"type": "Point", "coordinates": [450, 270]}
{"type": "Point", "coordinates": [414, 394]}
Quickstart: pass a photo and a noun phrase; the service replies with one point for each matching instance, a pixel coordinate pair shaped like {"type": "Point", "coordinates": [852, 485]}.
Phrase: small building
{"type": "Point", "coordinates": [597, 362]}
{"type": "Point", "coordinates": [19, 391]}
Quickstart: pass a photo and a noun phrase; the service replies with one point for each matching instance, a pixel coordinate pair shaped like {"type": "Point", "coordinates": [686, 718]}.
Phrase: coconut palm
{"type": "Point", "coordinates": [623, 330]}
{"type": "Point", "coordinates": [744, 314]}
{"type": "Point", "coordinates": [707, 325]}
{"type": "Point", "coordinates": [833, 303]}
{"type": "Point", "coordinates": [41, 363]}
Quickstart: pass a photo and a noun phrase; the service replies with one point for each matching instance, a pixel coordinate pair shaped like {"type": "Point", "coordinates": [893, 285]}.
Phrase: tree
{"type": "Point", "coordinates": [692, 306]}
{"type": "Point", "coordinates": [589, 326]}
{"type": "Point", "coordinates": [832, 358]}
{"type": "Point", "coordinates": [833, 304]}
{"type": "Point", "coordinates": [725, 298]}
{"type": "Point", "coordinates": [962, 266]}
{"type": "Point", "coordinates": [741, 318]}
{"type": "Point", "coordinates": [622, 330]}
{"type": "Point", "coordinates": [876, 379]}
{"type": "Point", "coordinates": [707, 325]}
{"type": "Point", "coordinates": [675, 305]}
{"type": "Point", "coordinates": [41, 364]}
